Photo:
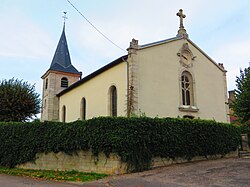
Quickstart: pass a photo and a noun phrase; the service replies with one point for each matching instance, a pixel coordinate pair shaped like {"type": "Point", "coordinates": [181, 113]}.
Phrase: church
{"type": "Point", "coordinates": [168, 78]}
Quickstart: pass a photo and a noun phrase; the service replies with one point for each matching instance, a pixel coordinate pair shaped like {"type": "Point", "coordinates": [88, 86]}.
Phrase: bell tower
{"type": "Point", "coordinates": [60, 75]}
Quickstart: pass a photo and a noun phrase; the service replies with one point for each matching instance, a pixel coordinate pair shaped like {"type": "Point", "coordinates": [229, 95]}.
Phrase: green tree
{"type": "Point", "coordinates": [241, 105]}
{"type": "Point", "coordinates": [18, 100]}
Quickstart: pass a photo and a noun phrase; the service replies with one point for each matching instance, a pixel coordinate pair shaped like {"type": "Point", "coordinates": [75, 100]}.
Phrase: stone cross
{"type": "Point", "coordinates": [182, 16]}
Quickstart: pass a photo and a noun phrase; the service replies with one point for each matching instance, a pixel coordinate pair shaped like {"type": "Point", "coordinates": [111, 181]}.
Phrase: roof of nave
{"type": "Point", "coordinates": [94, 74]}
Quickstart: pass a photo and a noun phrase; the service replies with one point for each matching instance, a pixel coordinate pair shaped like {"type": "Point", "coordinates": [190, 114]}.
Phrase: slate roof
{"type": "Point", "coordinates": [160, 42]}
{"type": "Point", "coordinates": [94, 74]}
{"type": "Point", "coordinates": [61, 60]}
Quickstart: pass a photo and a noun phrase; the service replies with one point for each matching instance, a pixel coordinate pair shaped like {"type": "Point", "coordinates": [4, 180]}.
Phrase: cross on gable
{"type": "Point", "coordinates": [182, 16]}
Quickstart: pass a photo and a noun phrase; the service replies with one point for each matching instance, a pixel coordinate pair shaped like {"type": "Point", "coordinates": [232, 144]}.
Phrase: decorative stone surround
{"type": "Point", "coordinates": [188, 108]}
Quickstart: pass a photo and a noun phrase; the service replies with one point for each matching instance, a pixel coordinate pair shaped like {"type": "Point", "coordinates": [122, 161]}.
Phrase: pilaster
{"type": "Point", "coordinates": [132, 97]}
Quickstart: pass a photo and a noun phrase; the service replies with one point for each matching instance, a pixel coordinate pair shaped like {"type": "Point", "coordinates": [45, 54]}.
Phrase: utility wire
{"type": "Point", "coordinates": [95, 27]}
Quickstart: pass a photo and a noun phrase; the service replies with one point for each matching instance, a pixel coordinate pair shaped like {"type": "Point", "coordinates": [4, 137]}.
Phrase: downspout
{"type": "Point", "coordinates": [127, 110]}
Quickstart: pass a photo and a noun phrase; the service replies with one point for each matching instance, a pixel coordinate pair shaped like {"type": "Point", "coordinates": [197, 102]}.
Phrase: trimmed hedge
{"type": "Point", "coordinates": [135, 140]}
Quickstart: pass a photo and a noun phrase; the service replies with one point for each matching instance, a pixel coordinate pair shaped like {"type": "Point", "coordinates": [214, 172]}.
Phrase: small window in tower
{"type": "Point", "coordinates": [46, 83]}
{"type": "Point", "coordinates": [64, 82]}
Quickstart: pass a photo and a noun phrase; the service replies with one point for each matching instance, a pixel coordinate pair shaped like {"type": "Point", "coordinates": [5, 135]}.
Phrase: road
{"type": "Point", "coordinates": [233, 172]}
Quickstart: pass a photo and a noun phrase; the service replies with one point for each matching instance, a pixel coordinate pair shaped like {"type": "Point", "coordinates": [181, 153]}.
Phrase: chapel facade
{"type": "Point", "coordinates": [167, 78]}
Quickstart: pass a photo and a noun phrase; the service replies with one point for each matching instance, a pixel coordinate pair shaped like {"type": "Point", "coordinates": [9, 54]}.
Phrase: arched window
{"type": "Point", "coordinates": [113, 101]}
{"type": "Point", "coordinates": [187, 89]}
{"type": "Point", "coordinates": [83, 109]}
{"type": "Point", "coordinates": [63, 114]}
{"type": "Point", "coordinates": [64, 82]}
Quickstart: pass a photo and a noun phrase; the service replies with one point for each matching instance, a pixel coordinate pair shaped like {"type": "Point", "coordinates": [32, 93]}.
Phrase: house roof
{"type": "Point", "coordinates": [94, 74]}
{"type": "Point", "coordinates": [61, 60]}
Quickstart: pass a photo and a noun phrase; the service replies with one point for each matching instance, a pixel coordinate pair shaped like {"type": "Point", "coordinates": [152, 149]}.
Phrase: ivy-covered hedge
{"type": "Point", "coordinates": [135, 140]}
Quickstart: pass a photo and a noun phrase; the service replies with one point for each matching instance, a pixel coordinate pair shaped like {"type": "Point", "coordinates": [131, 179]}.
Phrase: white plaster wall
{"type": "Point", "coordinates": [159, 92]}
{"type": "Point", "coordinates": [210, 89]}
{"type": "Point", "coordinates": [158, 69]}
{"type": "Point", "coordinates": [96, 93]}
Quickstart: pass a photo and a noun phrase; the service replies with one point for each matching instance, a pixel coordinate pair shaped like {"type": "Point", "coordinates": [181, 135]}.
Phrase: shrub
{"type": "Point", "coordinates": [135, 140]}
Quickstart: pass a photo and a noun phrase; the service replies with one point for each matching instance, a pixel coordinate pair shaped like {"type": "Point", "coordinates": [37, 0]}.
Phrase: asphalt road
{"type": "Point", "coordinates": [16, 181]}
{"type": "Point", "coordinates": [233, 172]}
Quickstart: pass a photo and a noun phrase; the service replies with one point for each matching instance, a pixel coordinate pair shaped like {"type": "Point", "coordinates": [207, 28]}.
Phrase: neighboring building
{"type": "Point", "coordinates": [168, 78]}
{"type": "Point", "coordinates": [231, 99]}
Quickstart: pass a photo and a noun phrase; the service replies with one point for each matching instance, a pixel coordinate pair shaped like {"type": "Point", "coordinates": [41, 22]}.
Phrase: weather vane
{"type": "Point", "coordinates": [64, 17]}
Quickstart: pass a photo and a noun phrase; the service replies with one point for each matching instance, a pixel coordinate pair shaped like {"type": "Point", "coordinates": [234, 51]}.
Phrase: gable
{"type": "Point", "coordinates": [160, 68]}
{"type": "Point", "coordinates": [174, 41]}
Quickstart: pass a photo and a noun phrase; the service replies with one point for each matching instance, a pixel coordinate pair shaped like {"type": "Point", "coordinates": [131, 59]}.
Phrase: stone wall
{"type": "Point", "coordinates": [84, 161]}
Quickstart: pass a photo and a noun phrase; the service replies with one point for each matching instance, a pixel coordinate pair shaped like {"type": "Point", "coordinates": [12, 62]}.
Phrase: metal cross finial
{"type": "Point", "coordinates": [181, 15]}
{"type": "Point", "coordinates": [64, 17]}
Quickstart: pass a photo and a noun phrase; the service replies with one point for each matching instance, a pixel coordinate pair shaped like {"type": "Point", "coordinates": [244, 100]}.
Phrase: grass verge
{"type": "Point", "coordinates": [53, 175]}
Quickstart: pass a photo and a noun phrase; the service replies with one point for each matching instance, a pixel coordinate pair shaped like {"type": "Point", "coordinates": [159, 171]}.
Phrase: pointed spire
{"type": "Point", "coordinates": [61, 60]}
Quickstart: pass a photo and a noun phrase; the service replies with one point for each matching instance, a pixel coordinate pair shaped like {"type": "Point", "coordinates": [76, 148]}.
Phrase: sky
{"type": "Point", "coordinates": [30, 31]}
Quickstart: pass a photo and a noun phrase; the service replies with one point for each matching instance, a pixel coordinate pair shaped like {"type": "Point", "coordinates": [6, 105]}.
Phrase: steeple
{"type": "Point", "coordinates": [61, 60]}
{"type": "Point", "coordinates": [58, 77]}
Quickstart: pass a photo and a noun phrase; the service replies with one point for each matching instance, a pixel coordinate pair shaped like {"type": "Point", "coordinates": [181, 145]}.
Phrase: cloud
{"type": "Point", "coordinates": [23, 38]}
{"type": "Point", "coordinates": [235, 56]}
{"type": "Point", "coordinates": [148, 21]}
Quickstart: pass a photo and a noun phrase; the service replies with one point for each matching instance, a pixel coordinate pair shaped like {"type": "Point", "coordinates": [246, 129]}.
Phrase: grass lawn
{"type": "Point", "coordinates": [53, 175]}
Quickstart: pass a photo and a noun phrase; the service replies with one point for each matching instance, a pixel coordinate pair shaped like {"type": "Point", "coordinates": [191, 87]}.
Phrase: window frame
{"type": "Point", "coordinates": [187, 89]}
{"type": "Point", "coordinates": [46, 83]}
{"type": "Point", "coordinates": [113, 101]}
{"type": "Point", "coordinates": [64, 82]}
{"type": "Point", "coordinates": [83, 109]}
{"type": "Point", "coordinates": [184, 105]}
{"type": "Point", "coordinates": [64, 112]}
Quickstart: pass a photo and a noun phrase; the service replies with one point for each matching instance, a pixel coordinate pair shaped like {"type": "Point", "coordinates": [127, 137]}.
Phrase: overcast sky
{"type": "Point", "coordinates": [30, 31]}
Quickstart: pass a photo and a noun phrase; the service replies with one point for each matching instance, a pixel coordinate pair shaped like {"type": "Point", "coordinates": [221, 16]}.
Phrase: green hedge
{"type": "Point", "coordinates": [135, 140]}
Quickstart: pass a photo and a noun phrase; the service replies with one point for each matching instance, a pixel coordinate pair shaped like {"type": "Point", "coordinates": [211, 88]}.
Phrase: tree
{"type": "Point", "coordinates": [18, 100]}
{"type": "Point", "coordinates": [241, 104]}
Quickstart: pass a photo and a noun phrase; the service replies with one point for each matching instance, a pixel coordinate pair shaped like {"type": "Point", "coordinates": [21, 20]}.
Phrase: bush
{"type": "Point", "coordinates": [135, 140]}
